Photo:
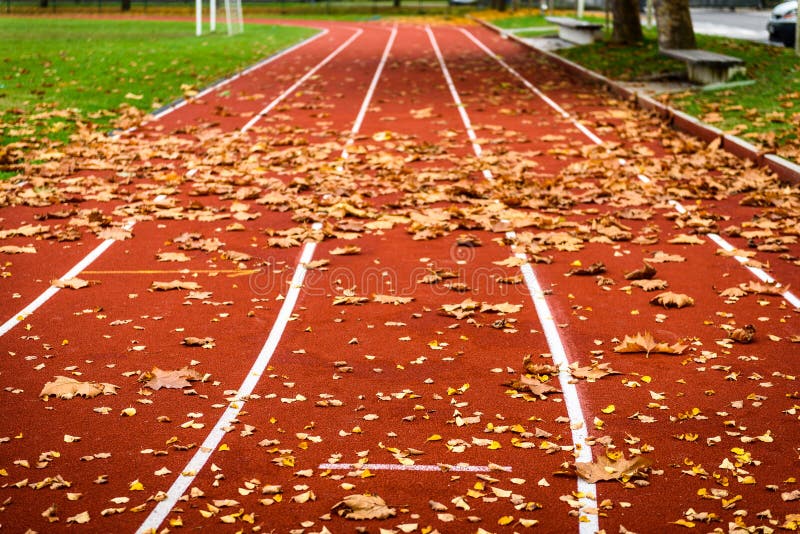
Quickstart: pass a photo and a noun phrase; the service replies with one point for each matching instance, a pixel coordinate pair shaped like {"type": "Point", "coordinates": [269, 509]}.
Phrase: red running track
{"type": "Point", "coordinates": [470, 176]}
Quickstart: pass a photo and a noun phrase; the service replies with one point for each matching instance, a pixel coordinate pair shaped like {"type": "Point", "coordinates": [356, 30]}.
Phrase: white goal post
{"type": "Point", "coordinates": [233, 16]}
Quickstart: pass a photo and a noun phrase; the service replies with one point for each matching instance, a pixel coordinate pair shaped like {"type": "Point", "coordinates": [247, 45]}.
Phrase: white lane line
{"type": "Point", "coordinates": [370, 92]}
{"type": "Point", "coordinates": [302, 80]}
{"type": "Point", "coordinates": [169, 108]}
{"type": "Point", "coordinates": [550, 102]}
{"type": "Point", "coordinates": [204, 452]}
{"type": "Point", "coordinates": [457, 99]}
{"type": "Point", "coordinates": [758, 273]}
{"type": "Point", "coordinates": [583, 452]}
{"type": "Point", "coordinates": [50, 291]}
{"type": "Point", "coordinates": [444, 468]}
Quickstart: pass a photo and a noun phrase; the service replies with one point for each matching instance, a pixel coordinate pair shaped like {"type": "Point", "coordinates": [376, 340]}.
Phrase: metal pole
{"type": "Point", "coordinates": [198, 15]}
{"type": "Point", "coordinates": [212, 8]}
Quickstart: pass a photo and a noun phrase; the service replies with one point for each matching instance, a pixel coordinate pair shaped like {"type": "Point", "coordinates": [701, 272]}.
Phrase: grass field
{"type": "Point", "coordinates": [61, 71]}
{"type": "Point", "coordinates": [766, 113]}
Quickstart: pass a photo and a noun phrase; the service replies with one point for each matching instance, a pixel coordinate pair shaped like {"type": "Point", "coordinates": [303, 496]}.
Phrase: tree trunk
{"type": "Point", "coordinates": [499, 5]}
{"type": "Point", "coordinates": [42, 3]}
{"type": "Point", "coordinates": [126, 5]}
{"type": "Point", "coordinates": [396, 3]}
{"type": "Point", "coordinates": [627, 26]}
{"type": "Point", "coordinates": [674, 24]}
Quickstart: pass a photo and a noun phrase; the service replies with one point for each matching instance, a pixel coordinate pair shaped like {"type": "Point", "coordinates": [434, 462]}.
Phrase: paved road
{"type": "Point", "coordinates": [741, 24]}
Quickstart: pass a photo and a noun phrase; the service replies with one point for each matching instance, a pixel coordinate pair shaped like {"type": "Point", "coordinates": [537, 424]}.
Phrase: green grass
{"type": "Point", "coordinates": [766, 113]}
{"type": "Point", "coordinates": [61, 71]}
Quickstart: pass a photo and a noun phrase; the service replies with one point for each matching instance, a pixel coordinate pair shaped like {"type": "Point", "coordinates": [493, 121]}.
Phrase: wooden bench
{"type": "Point", "coordinates": [706, 67]}
{"type": "Point", "coordinates": [576, 31]}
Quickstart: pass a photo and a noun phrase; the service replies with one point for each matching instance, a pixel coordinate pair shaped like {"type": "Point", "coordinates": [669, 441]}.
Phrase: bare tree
{"type": "Point", "coordinates": [674, 25]}
{"type": "Point", "coordinates": [627, 25]}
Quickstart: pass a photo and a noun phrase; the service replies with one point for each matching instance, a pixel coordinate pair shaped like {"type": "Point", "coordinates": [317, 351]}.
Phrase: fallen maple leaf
{"type": "Point", "coordinates": [646, 343]}
{"type": "Point", "coordinates": [71, 283]}
{"type": "Point", "coordinates": [175, 284]}
{"type": "Point", "coordinates": [592, 372]}
{"type": "Point", "coordinates": [527, 384]}
{"type": "Point", "coordinates": [672, 300]}
{"type": "Point", "coordinates": [361, 507]}
{"type": "Point", "coordinates": [606, 469]}
{"type": "Point", "coordinates": [650, 285]}
{"type": "Point", "coordinates": [158, 378]}
{"type": "Point", "coordinates": [65, 387]}
{"type": "Point", "coordinates": [744, 334]}
{"type": "Point", "coordinates": [172, 256]}
{"type": "Point", "coordinates": [593, 269]}
{"type": "Point", "coordinates": [391, 299]}
{"type": "Point", "coordinates": [205, 342]}
{"type": "Point", "coordinates": [347, 250]}
{"type": "Point", "coordinates": [643, 273]}
{"type": "Point", "coordinates": [11, 249]}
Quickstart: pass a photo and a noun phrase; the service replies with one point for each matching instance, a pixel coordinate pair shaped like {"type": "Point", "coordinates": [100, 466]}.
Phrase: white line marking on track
{"type": "Point", "coordinates": [758, 273]}
{"type": "Point", "coordinates": [583, 453]}
{"type": "Point", "coordinates": [182, 102]}
{"type": "Point", "coordinates": [589, 523]}
{"type": "Point", "coordinates": [50, 291]}
{"type": "Point", "coordinates": [370, 92]}
{"type": "Point", "coordinates": [204, 452]}
{"type": "Point", "coordinates": [444, 468]}
{"type": "Point", "coordinates": [457, 99]}
{"type": "Point", "coordinates": [301, 81]}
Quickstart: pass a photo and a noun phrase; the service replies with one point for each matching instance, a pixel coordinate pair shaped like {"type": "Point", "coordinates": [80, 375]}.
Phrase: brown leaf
{"type": "Point", "coordinates": [595, 268]}
{"type": "Point", "coordinates": [175, 284]}
{"type": "Point", "coordinates": [744, 334]}
{"type": "Point", "coordinates": [463, 309]}
{"type": "Point", "coordinates": [686, 239]}
{"type": "Point", "coordinates": [663, 257]}
{"type": "Point", "coordinates": [504, 307]}
{"type": "Point", "coordinates": [592, 372]}
{"type": "Point", "coordinates": [71, 283]}
{"type": "Point", "coordinates": [645, 272]}
{"type": "Point", "coordinates": [172, 256]}
{"type": "Point", "coordinates": [646, 343]}
{"type": "Point", "coordinates": [11, 249]}
{"type": "Point", "coordinates": [205, 342]}
{"type": "Point", "coordinates": [65, 387]}
{"type": "Point", "coordinates": [391, 299]}
{"type": "Point", "coordinates": [650, 285]}
{"type": "Point", "coordinates": [158, 378]}
{"type": "Point", "coordinates": [360, 507]}
{"type": "Point", "coordinates": [527, 384]}
{"type": "Point", "coordinates": [672, 300]}
{"type": "Point", "coordinates": [348, 250]}
{"type": "Point", "coordinates": [606, 469]}
{"type": "Point", "coordinates": [317, 264]}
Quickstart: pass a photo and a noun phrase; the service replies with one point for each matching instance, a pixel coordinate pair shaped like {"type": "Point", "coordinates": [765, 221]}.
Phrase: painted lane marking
{"type": "Point", "coordinates": [169, 108]}
{"type": "Point", "coordinates": [370, 92]}
{"type": "Point", "coordinates": [550, 102]}
{"type": "Point", "coordinates": [476, 148]}
{"type": "Point", "coordinates": [301, 80]}
{"type": "Point", "coordinates": [50, 291]}
{"type": "Point", "coordinates": [758, 273]}
{"type": "Point", "coordinates": [444, 468]}
{"type": "Point", "coordinates": [583, 452]}
{"type": "Point", "coordinates": [212, 441]}
{"type": "Point", "coordinates": [178, 271]}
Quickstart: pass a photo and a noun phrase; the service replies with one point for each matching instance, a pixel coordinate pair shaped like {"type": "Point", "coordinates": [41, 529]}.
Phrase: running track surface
{"type": "Point", "coordinates": [467, 177]}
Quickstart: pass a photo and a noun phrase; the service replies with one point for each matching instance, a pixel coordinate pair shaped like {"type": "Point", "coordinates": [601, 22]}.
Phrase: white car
{"type": "Point", "coordinates": [782, 25]}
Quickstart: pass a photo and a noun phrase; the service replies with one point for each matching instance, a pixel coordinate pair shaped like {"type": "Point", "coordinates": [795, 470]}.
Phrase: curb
{"type": "Point", "coordinates": [783, 168]}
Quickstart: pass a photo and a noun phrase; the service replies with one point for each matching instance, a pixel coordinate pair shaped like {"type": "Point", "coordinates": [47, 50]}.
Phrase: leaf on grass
{"type": "Point", "coordinates": [71, 283]}
{"type": "Point", "coordinates": [606, 469]}
{"type": "Point", "coordinates": [672, 300]}
{"type": "Point", "coordinates": [391, 299]}
{"type": "Point", "coordinates": [650, 285]}
{"type": "Point", "coordinates": [646, 343]}
{"type": "Point", "coordinates": [158, 378]}
{"type": "Point", "coordinates": [593, 269]}
{"type": "Point", "coordinates": [65, 387]}
{"type": "Point", "coordinates": [11, 249]}
{"type": "Point", "coordinates": [175, 284]}
{"type": "Point", "coordinates": [527, 384]}
{"type": "Point", "coordinates": [646, 272]}
{"type": "Point", "coordinates": [361, 507]}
